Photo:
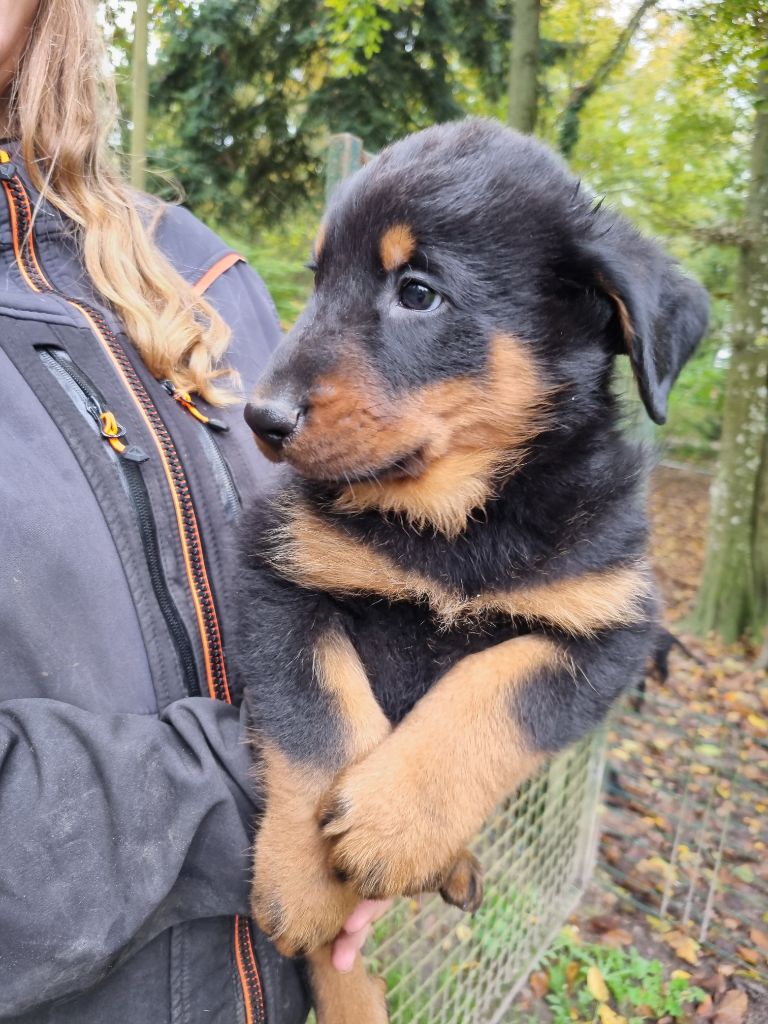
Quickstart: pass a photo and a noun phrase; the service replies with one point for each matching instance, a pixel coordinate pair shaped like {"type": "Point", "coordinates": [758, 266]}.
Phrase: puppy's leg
{"type": "Point", "coordinates": [353, 998]}
{"type": "Point", "coordinates": [327, 718]}
{"type": "Point", "coordinates": [401, 814]}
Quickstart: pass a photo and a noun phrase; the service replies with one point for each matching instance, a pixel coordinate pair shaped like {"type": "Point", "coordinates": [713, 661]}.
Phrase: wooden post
{"type": "Point", "coordinates": [139, 96]}
{"type": "Point", "coordinates": [345, 155]}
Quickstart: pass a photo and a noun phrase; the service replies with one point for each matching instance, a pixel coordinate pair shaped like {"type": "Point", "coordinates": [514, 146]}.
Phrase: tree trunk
{"type": "Point", "coordinates": [733, 597]}
{"type": "Point", "coordinates": [139, 96]}
{"type": "Point", "coordinates": [524, 66]}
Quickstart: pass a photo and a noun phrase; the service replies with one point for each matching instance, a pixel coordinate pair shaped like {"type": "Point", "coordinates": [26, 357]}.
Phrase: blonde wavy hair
{"type": "Point", "coordinates": [63, 108]}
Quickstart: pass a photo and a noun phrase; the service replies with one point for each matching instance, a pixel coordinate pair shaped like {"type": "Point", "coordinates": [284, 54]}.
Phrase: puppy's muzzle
{"type": "Point", "coordinates": [274, 423]}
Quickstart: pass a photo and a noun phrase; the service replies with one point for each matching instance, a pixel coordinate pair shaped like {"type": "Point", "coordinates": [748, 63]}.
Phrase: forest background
{"type": "Point", "coordinates": [661, 106]}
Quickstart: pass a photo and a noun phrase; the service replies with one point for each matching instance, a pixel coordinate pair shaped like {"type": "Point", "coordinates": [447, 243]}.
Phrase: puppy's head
{"type": "Point", "coordinates": [467, 298]}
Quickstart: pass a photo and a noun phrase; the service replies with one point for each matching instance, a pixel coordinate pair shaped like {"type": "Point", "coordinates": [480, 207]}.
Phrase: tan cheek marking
{"type": "Point", "coordinates": [485, 427]}
{"type": "Point", "coordinates": [396, 246]}
{"type": "Point", "coordinates": [312, 553]}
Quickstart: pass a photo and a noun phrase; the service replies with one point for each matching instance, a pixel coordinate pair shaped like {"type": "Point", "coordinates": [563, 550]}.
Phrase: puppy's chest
{"type": "Point", "coordinates": [405, 650]}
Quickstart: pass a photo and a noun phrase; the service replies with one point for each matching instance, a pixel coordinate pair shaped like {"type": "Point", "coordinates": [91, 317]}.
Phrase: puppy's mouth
{"type": "Point", "coordinates": [404, 467]}
{"type": "Point", "coordinates": [408, 466]}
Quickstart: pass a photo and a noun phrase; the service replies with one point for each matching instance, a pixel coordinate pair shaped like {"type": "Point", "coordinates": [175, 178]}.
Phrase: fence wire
{"type": "Point", "coordinates": [685, 836]}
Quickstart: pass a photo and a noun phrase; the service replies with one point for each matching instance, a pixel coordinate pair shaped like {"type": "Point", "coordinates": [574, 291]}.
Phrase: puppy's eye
{"type": "Point", "coordinates": [416, 295]}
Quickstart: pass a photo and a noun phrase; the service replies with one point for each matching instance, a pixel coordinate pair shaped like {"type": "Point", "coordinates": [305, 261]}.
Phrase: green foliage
{"type": "Point", "coordinates": [279, 255]}
{"type": "Point", "coordinates": [357, 27]}
{"type": "Point", "coordinates": [634, 983]}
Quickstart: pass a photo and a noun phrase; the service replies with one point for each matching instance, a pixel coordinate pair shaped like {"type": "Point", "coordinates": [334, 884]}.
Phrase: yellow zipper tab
{"type": "Point", "coordinates": [186, 401]}
{"type": "Point", "coordinates": [4, 157]}
{"type": "Point", "coordinates": [112, 430]}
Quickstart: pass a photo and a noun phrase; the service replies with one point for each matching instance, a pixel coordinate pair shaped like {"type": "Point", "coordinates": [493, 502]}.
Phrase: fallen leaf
{"type": "Point", "coordinates": [572, 973]}
{"type": "Point", "coordinates": [596, 985]}
{"type": "Point", "coordinates": [685, 947]}
{"type": "Point", "coordinates": [759, 938]}
{"type": "Point", "coordinates": [463, 932]}
{"type": "Point", "coordinates": [604, 922]}
{"type": "Point", "coordinates": [750, 955]}
{"type": "Point", "coordinates": [732, 1008]}
{"type": "Point", "coordinates": [706, 1009]}
{"type": "Point", "coordinates": [539, 982]}
{"type": "Point", "coordinates": [609, 1016]}
{"type": "Point", "coordinates": [616, 937]}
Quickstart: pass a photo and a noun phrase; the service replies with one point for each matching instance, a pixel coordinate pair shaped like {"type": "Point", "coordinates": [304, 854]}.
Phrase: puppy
{"type": "Point", "coordinates": [450, 583]}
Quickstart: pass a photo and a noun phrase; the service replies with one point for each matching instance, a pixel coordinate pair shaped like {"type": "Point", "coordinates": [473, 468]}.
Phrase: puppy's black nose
{"type": "Point", "coordinates": [273, 422]}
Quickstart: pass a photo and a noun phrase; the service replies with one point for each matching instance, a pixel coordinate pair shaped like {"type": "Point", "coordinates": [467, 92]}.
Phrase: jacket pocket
{"type": "Point", "coordinates": [128, 460]}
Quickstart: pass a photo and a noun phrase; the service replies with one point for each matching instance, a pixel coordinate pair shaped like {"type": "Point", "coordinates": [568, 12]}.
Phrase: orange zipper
{"type": "Point", "coordinates": [186, 518]}
{"type": "Point", "coordinates": [247, 968]}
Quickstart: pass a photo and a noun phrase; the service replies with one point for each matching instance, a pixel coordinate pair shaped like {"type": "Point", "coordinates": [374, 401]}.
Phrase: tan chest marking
{"type": "Point", "coordinates": [313, 554]}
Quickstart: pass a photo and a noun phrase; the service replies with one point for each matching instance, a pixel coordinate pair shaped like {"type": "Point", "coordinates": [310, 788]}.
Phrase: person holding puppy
{"type": "Point", "coordinates": [127, 333]}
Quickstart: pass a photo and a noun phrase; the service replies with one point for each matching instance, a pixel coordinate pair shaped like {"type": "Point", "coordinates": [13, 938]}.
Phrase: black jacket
{"type": "Point", "coordinates": [125, 800]}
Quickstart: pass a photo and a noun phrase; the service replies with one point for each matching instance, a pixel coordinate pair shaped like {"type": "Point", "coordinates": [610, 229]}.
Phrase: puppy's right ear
{"type": "Point", "coordinates": [660, 315]}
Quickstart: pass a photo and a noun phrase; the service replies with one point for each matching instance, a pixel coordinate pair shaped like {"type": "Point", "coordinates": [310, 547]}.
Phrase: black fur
{"type": "Point", "coordinates": [517, 247]}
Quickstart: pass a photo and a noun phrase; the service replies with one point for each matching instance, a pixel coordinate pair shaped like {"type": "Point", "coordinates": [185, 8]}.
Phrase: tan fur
{"type": "Point", "coordinates": [406, 810]}
{"type": "Point", "coordinates": [312, 553]}
{"type": "Point", "coordinates": [353, 998]}
{"type": "Point", "coordinates": [485, 425]}
{"type": "Point", "coordinates": [396, 246]}
{"type": "Point", "coordinates": [468, 433]}
{"type": "Point", "coordinates": [296, 900]}
{"type": "Point", "coordinates": [462, 885]}
{"type": "Point", "coordinates": [580, 606]}
{"type": "Point", "coordinates": [339, 671]}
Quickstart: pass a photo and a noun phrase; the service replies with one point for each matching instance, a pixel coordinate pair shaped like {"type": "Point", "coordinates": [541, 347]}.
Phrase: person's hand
{"type": "Point", "coordinates": [352, 936]}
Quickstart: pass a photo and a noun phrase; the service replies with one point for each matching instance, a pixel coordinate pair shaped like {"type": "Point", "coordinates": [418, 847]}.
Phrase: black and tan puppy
{"type": "Point", "coordinates": [451, 583]}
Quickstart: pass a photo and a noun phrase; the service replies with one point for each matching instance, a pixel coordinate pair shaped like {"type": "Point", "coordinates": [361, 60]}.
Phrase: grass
{"type": "Point", "coordinates": [612, 985]}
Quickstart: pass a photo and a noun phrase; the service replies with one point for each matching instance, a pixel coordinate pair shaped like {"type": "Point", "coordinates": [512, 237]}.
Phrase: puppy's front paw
{"type": "Point", "coordinates": [295, 899]}
{"type": "Point", "coordinates": [383, 837]}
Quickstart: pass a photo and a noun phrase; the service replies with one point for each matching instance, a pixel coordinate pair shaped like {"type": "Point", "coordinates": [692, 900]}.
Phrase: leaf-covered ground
{"type": "Point", "coordinates": [682, 873]}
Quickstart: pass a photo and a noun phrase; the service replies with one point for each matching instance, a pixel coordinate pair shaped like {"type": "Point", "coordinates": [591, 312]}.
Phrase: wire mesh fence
{"type": "Point", "coordinates": [537, 852]}
{"type": "Point", "coordinates": [685, 836]}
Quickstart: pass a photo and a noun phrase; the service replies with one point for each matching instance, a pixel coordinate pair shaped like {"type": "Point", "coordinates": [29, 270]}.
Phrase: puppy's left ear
{"type": "Point", "coordinates": [660, 315]}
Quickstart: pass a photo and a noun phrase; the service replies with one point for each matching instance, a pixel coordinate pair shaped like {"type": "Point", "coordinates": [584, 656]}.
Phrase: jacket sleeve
{"type": "Point", "coordinates": [113, 828]}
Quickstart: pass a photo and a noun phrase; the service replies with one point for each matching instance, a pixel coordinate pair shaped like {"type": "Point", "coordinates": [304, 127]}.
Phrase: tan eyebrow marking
{"type": "Point", "coordinates": [396, 246]}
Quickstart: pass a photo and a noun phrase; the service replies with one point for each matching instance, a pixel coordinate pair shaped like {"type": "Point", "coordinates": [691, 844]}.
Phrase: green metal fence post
{"type": "Point", "coordinates": [345, 155]}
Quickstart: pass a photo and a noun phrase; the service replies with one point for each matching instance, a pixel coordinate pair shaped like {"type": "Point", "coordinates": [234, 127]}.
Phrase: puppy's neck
{"type": "Point", "coordinates": [442, 499]}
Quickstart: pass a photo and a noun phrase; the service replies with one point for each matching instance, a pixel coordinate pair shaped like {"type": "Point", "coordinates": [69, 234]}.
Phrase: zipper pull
{"type": "Point", "coordinates": [7, 167]}
{"type": "Point", "coordinates": [113, 432]}
{"type": "Point", "coordinates": [185, 401]}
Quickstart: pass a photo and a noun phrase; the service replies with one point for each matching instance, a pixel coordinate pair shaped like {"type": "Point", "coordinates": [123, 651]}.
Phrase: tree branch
{"type": "Point", "coordinates": [568, 134]}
